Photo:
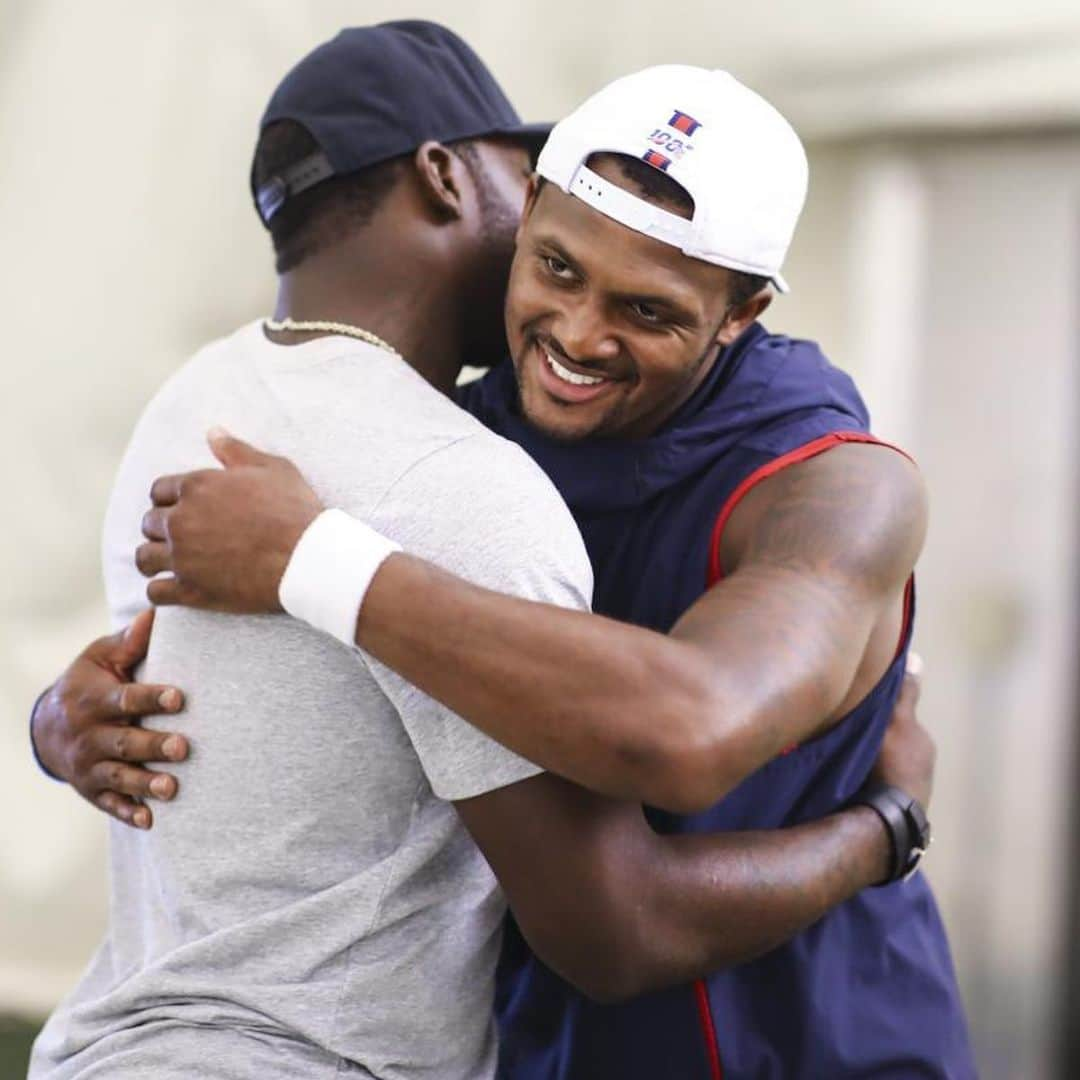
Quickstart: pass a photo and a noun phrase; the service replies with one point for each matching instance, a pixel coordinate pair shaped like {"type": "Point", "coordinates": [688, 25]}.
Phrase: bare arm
{"type": "Point", "coordinates": [820, 553]}
{"type": "Point", "coordinates": [613, 907]}
{"type": "Point", "coordinates": [761, 661]}
{"type": "Point", "coordinates": [618, 910]}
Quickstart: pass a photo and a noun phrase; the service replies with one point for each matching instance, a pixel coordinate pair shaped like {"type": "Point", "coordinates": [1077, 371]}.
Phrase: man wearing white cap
{"type": "Point", "coordinates": [737, 510]}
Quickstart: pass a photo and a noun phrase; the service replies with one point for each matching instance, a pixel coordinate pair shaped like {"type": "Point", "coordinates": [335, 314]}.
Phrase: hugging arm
{"type": "Point", "coordinates": [822, 553]}
{"type": "Point", "coordinates": [618, 910]}
{"type": "Point", "coordinates": [818, 557]}
{"type": "Point", "coordinates": [613, 907]}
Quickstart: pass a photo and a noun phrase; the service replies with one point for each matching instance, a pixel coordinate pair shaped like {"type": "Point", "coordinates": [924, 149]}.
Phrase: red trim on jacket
{"type": "Point", "coordinates": [770, 468]}
{"type": "Point", "coordinates": [708, 1030]}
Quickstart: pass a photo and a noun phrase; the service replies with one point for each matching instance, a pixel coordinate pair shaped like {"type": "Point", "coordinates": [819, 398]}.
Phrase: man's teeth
{"type": "Point", "coordinates": [571, 376]}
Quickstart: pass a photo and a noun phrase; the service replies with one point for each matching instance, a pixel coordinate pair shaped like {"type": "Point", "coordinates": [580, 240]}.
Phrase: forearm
{"type": "Point", "coordinates": [618, 910]}
{"type": "Point", "coordinates": [711, 901]}
{"type": "Point", "coordinates": [672, 720]}
{"type": "Point", "coordinates": [598, 701]}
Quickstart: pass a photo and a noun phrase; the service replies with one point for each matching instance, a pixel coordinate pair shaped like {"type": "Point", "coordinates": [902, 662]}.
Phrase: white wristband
{"type": "Point", "coordinates": [330, 570]}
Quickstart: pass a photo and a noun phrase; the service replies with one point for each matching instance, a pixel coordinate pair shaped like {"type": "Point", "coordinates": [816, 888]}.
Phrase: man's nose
{"type": "Point", "coordinates": [585, 333]}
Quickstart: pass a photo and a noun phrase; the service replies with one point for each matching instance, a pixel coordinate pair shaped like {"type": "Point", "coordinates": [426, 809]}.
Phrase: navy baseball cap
{"type": "Point", "coordinates": [377, 92]}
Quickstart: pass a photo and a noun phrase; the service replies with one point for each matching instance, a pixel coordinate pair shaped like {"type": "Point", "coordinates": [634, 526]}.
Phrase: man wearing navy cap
{"type": "Point", "coordinates": [625, 320]}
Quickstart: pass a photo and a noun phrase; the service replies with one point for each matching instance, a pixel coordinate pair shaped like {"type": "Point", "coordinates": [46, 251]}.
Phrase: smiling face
{"type": "Point", "coordinates": [610, 330]}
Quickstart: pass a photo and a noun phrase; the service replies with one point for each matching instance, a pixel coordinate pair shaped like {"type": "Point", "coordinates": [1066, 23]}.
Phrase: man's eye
{"type": "Point", "coordinates": [557, 267]}
{"type": "Point", "coordinates": [646, 312]}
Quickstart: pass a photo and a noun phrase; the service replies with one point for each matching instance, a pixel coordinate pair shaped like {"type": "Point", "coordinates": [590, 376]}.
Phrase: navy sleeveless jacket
{"type": "Point", "coordinates": [867, 992]}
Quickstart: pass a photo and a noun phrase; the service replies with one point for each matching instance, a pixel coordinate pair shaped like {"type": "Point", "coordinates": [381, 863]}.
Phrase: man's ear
{"type": "Point", "coordinates": [532, 192]}
{"type": "Point", "coordinates": [740, 317]}
{"type": "Point", "coordinates": [440, 174]}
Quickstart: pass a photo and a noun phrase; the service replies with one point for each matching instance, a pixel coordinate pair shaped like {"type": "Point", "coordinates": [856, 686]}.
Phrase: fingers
{"type": "Point", "coordinates": [911, 687]}
{"type": "Point", "coordinates": [153, 557]}
{"type": "Point", "coordinates": [119, 788]}
{"type": "Point", "coordinates": [122, 650]}
{"type": "Point", "coordinates": [125, 742]}
{"type": "Point", "coordinates": [168, 591]}
{"type": "Point", "coordinates": [136, 640]}
{"type": "Point", "coordinates": [131, 700]}
{"type": "Point", "coordinates": [124, 809]}
{"type": "Point", "coordinates": [905, 708]}
{"type": "Point", "coordinates": [230, 450]}
{"type": "Point", "coordinates": [155, 523]}
{"type": "Point", "coordinates": [169, 490]}
{"type": "Point", "coordinates": [163, 591]}
{"type": "Point", "coordinates": [910, 692]}
{"type": "Point", "coordinates": [124, 779]}
{"type": "Point", "coordinates": [165, 491]}
{"type": "Point", "coordinates": [171, 592]}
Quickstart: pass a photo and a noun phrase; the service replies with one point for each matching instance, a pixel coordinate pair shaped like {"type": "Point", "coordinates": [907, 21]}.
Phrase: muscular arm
{"type": "Point", "coordinates": [817, 555]}
{"type": "Point", "coordinates": [618, 910]}
{"type": "Point", "coordinates": [613, 907]}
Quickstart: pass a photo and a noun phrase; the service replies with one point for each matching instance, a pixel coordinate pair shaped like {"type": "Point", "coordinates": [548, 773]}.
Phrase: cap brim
{"type": "Point", "coordinates": [532, 135]}
{"type": "Point", "coordinates": [780, 284]}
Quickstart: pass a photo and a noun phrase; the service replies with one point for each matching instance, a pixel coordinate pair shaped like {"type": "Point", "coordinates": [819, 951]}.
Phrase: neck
{"type": "Point", "coordinates": [404, 303]}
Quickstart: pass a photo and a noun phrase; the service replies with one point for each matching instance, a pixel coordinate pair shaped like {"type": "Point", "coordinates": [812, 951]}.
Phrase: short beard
{"type": "Point", "coordinates": [486, 345]}
{"type": "Point", "coordinates": [497, 217]}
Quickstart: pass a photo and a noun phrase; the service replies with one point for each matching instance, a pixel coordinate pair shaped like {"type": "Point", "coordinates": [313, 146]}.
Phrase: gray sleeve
{"type": "Point", "coordinates": [482, 509]}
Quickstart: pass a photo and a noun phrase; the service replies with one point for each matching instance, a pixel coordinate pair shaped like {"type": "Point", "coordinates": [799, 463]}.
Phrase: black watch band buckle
{"type": "Point", "coordinates": [907, 825]}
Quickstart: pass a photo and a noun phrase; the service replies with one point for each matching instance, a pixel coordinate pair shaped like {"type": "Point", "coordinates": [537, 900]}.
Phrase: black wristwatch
{"type": "Point", "coordinates": [906, 823]}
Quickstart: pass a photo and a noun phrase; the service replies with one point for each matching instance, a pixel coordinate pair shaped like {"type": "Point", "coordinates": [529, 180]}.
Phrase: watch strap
{"type": "Point", "coordinates": [904, 820]}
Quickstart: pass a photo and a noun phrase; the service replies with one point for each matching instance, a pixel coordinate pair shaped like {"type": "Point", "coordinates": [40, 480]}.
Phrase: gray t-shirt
{"type": "Point", "coordinates": [311, 904]}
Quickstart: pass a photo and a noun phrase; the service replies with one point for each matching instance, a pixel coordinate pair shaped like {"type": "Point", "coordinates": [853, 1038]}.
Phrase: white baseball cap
{"type": "Point", "coordinates": [736, 156]}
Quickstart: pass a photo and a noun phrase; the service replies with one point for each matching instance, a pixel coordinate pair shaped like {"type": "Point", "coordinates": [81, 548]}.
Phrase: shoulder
{"type": "Point", "coordinates": [490, 483]}
{"type": "Point", "coordinates": [167, 437]}
{"type": "Point", "coordinates": [168, 434]}
{"type": "Point", "coordinates": [481, 507]}
{"type": "Point", "coordinates": [365, 394]}
{"type": "Point", "coordinates": [859, 509]}
{"type": "Point", "coordinates": [789, 382]}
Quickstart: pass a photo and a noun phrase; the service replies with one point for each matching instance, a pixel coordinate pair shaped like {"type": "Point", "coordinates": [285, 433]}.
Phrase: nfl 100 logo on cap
{"type": "Point", "coordinates": [672, 145]}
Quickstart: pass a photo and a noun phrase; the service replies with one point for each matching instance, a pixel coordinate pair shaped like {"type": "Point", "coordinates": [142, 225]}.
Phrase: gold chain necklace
{"type": "Point", "coordinates": [322, 326]}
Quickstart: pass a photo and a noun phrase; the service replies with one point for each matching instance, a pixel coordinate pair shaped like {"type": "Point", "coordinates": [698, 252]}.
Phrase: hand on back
{"type": "Point", "coordinates": [225, 535]}
{"type": "Point", "coordinates": [86, 727]}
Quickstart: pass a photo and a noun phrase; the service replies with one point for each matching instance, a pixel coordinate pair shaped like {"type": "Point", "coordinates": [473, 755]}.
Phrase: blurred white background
{"type": "Point", "coordinates": [938, 260]}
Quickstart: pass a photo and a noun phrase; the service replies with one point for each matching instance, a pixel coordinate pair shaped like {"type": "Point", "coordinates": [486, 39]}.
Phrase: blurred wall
{"type": "Point", "coordinates": [937, 260]}
{"type": "Point", "coordinates": [961, 260]}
